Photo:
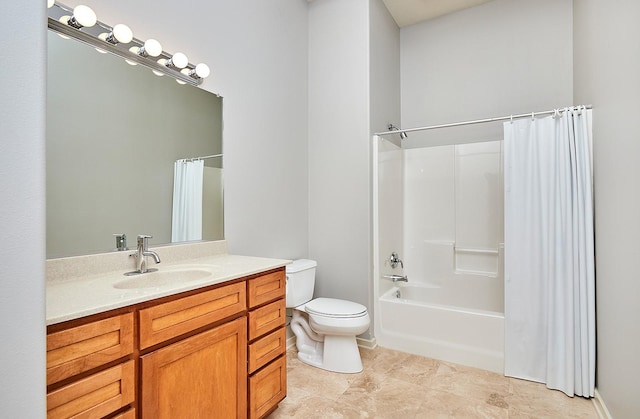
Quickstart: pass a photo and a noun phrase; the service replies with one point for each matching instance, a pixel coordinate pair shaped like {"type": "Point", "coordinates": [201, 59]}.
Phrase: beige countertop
{"type": "Point", "coordinates": [76, 289]}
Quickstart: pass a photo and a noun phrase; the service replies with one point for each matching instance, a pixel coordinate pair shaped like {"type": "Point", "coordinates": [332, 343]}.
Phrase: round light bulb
{"type": "Point", "coordinates": [122, 33]}
{"type": "Point", "coordinates": [152, 48]}
{"type": "Point", "coordinates": [202, 70]}
{"type": "Point", "coordinates": [50, 3]}
{"type": "Point", "coordinates": [84, 16]}
{"type": "Point", "coordinates": [179, 60]}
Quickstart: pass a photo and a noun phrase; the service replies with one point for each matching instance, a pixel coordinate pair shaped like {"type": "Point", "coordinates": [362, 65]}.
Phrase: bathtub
{"type": "Point", "coordinates": [443, 323]}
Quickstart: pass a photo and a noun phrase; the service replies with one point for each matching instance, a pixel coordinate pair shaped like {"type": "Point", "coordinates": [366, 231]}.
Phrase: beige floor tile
{"type": "Point", "coordinates": [397, 385]}
{"type": "Point", "coordinates": [378, 396]}
{"type": "Point", "coordinates": [476, 385]}
{"type": "Point", "coordinates": [415, 369]}
{"type": "Point", "coordinates": [535, 400]}
{"type": "Point", "coordinates": [381, 359]}
{"type": "Point", "coordinates": [305, 381]}
{"type": "Point", "coordinates": [448, 405]}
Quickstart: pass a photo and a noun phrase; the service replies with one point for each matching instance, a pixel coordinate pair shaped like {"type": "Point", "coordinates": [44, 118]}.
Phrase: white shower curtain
{"type": "Point", "coordinates": [186, 220]}
{"type": "Point", "coordinates": [549, 252]}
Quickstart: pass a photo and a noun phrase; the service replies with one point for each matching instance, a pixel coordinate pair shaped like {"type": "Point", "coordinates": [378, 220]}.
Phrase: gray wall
{"type": "Point", "coordinates": [384, 68]}
{"type": "Point", "coordinates": [607, 65]}
{"type": "Point", "coordinates": [500, 58]}
{"type": "Point", "coordinates": [22, 211]}
{"type": "Point", "coordinates": [354, 81]}
{"type": "Point", "coordinates": [384, 62]}
{"type": "Point", "coordinates": [339, 143]}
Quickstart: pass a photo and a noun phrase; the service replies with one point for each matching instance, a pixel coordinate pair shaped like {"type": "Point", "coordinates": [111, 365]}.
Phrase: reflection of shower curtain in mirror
{"type": "Point", "coordinates": [549, 252]}
{"type": "Point", "coordinates": [186, 220]}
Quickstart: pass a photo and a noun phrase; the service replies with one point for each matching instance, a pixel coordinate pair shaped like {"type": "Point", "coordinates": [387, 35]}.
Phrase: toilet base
{"type": "Point", "coordinates": [336, 353]}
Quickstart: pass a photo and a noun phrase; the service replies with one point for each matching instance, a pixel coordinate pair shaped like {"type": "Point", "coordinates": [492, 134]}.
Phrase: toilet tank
{"type": "Point", "coordinates": [301, 278]}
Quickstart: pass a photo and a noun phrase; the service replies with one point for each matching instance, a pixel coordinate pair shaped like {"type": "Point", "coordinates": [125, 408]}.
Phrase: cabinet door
{"type": "Point", "coordinates": [203, 376]}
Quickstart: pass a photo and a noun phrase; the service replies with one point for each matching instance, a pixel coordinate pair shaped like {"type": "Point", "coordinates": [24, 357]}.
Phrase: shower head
{"type": "Point", "coordinates": [392, 127]}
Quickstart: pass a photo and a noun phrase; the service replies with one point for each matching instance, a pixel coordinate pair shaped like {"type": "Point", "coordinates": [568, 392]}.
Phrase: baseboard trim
{"type": "Point", "coordinates": [363, 343]}
{"type": "Point", "coordinates": [367, 343]}
{"type": "Point", "coordinates": [601, 408]}
{"type": "Point", "coordinates": [291, 342]}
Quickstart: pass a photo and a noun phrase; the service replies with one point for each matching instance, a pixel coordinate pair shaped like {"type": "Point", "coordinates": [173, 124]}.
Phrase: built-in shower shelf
{"type": "Point", "coordinates": [477, 261]}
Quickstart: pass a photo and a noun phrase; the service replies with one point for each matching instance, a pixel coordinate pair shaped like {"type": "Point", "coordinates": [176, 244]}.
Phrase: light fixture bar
{"type": "Point", "coordinates": [92, 40]}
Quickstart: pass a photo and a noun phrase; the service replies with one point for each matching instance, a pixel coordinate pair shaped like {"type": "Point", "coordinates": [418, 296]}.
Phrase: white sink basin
{"type": "Point", "coordinates": [164, 277]}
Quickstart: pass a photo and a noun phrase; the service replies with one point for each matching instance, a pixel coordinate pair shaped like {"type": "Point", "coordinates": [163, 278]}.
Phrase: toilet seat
{"type": "Point", "coordinates": [335, 308]}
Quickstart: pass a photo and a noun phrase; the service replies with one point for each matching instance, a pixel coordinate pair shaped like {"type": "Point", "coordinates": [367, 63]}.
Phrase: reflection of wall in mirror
{"type": "Point", "coordinates": [113, 134]}
{"type": "Point", "coordinates": [212, 204]}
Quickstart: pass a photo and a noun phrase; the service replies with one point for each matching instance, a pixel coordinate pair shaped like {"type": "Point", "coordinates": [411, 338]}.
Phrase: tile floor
{"type": "Point", "coordinates": [401, 386]}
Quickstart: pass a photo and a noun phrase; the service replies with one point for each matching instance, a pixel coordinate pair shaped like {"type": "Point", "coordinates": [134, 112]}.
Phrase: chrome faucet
{"type": "Point", "coordinates": [143, 251]}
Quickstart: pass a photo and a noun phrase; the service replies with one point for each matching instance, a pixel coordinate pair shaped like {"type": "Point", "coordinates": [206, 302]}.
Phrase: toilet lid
{"type": "Point", "coordinates": [332, 307]}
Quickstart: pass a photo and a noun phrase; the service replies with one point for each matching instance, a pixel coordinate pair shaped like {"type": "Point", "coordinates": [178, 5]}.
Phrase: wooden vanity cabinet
{"type": "Point", "coordinates": [218, 352]}
{"type": "Point", "coordinates": [267, 343]}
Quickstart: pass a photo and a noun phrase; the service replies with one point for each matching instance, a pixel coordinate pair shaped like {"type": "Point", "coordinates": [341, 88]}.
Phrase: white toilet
{"type": "Point", "coordinates": [325, 328]}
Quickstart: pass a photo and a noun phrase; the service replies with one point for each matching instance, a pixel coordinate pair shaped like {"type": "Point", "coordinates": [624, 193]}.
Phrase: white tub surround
{"type": "Point", "coordinates": [440, 209]}
{"type": "Point", "coordinates": [84, 285]}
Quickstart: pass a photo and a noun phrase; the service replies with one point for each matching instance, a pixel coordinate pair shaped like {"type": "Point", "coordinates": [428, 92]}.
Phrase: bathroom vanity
{"type": "Point", "coordinates": [201, 345]}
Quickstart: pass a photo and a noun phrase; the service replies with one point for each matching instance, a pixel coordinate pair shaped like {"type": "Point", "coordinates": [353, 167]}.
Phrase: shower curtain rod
{"type": "Point", "coordinates": [481, 121]}
{"type": "Point", "coordinates": [200, 158]}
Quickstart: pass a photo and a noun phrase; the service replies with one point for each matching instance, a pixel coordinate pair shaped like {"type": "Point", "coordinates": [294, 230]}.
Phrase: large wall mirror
{"type": "Point", "coordinates": [114, 132]}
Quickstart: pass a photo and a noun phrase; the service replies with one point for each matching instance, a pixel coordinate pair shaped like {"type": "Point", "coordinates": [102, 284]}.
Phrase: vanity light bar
{"type": "Point", "coordinates": [91, 37]}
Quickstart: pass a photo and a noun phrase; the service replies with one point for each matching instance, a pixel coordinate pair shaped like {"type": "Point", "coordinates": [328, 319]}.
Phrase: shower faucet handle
{"type": "Point", "coordinates": [394, 261]}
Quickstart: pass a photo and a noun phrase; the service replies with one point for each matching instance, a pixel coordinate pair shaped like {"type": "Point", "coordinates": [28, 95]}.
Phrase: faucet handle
{"type": "Point", "coordinates": [394, 260]}
{"type": "Point", "coordinates": [121, 241]}
{"type": "Point", "coordinates": [143, 239]}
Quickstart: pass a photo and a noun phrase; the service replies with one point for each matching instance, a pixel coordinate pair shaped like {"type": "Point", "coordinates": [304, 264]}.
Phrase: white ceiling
{"type": "Point", "coordinates": [409, 12]}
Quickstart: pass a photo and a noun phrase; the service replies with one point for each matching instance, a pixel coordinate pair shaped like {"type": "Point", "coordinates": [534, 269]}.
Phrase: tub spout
{"type": "Point", "coordinates": [396, 278]}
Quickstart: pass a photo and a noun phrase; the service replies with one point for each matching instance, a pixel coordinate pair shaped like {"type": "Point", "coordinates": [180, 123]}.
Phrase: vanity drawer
{"type": "Point", "coordinates": [265, 319]}
{"type": "Point", "coordinates": [266, 349]}
{"type": "Point", "coordinates": [266, 288]}
{"type": "Point", "coordinates": [267, 388]}
{"type": "Point", "coordinates": [95, 396]}
{"type": "Point", "coordinates": [81, 348]}
{"type": "Point", "coordinates": [174, 318]}
{"type": "Point", "coordinates": [129, 414]}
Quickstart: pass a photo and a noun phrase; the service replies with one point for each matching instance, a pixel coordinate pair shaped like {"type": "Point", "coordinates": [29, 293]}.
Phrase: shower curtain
{"type": "Point", "coordinates": [549, 252]}
{"type": "Point", "coordinates": [186, 220]}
